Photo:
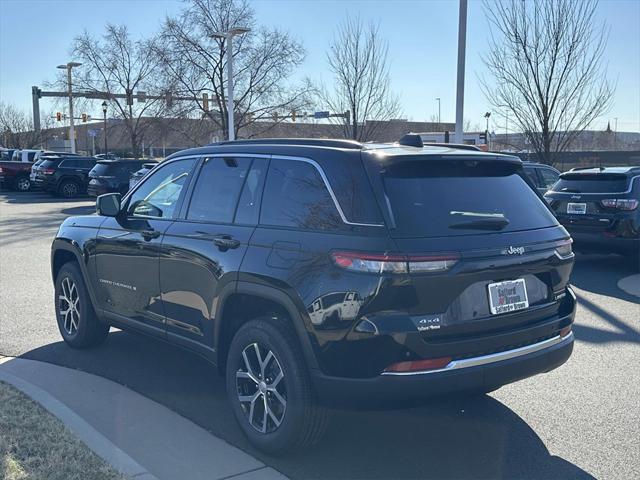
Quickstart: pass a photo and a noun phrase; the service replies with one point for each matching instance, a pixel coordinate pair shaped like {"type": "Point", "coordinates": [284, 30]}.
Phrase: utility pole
{"type": "Point", "coordinates": [72, 133]}
{"type": "Point", "coordinates": [104, 114]}
{"type": "Point", "coordinates": [228, 36]}
{"type": "Point", "coordinates": [438, 99]}
{"type": "Point", "coordinates": [462, 43]}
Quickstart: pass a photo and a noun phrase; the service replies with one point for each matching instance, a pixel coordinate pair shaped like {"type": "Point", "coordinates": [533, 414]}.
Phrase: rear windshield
{"type": "Point", "coordinates": [595, 183]}
{"type": "Point", "coordinates": [430, 200]}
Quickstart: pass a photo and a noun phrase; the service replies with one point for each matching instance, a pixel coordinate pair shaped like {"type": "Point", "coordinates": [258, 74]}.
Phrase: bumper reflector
{"type": "Point", "coordinates": [565, 331]}
{"type": "Point", "coordinates": [419, 365]}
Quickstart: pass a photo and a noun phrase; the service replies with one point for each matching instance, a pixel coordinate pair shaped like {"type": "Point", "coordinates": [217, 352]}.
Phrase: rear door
{"type": "Point", "coordinates": [202, 251]}
{"type": "Point", "coordinates": [482, 240]}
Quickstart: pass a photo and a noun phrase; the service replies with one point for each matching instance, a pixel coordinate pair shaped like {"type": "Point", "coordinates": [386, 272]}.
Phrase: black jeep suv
{"type": "Point", "coordinates": [600, 208]}
{"type": "Point", "coordinates": [320, 273]}
{"type": "Point", "coordinates": [112, 176]}
{"type": "Point", "coordinates": [64, 175]}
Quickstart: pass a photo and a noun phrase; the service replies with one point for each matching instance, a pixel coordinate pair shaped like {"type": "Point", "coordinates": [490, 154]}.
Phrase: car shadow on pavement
{"type": "Point", "coordinates": [456, 438]}
{"type": "Point", "coordinates": [600, 274]}
{"type": "Point", "coordinates": [36, 196]}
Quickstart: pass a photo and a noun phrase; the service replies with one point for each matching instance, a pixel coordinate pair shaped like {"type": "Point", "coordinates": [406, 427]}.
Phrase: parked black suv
{"type": "Point", "coordinates": [112, 176]}
{"type": "Point", "coordinates": [599, 207]}
{"type": "Point", "coordinates": [327, 272]}
{"type": "Point", "coordinates": [63, 175]}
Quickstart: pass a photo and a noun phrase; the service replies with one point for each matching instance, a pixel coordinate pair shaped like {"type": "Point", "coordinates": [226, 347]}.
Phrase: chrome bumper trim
{"type": "Point", "coordinates": [493, 357]}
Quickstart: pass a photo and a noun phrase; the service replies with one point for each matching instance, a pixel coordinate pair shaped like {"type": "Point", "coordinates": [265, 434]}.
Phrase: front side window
{"type": "Point", "coordinates": [295, 195]}
{"type": "Point", "coordinates": [159, 195]}
{"type": "Point", "coordinates": [217, 189]}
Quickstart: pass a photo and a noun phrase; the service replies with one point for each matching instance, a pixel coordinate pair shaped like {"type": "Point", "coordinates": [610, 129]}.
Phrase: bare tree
{"type": "Point", "coordinates": [116, 64]}
{"type": "Point", "coordinates": [358, 60]}
{"type": "Point", "coordinates": [16, 128]}
{"type": "Point", "coordinates": [196, 63]}
{"type": "Point", "coordinates": [545, 57]}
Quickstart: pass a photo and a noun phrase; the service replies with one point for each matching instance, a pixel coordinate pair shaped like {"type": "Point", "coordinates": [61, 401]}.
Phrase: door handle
{"type": "Point", "coordinates": [150, 234]}
{"type": "Point", "coordinates": [225, 242]}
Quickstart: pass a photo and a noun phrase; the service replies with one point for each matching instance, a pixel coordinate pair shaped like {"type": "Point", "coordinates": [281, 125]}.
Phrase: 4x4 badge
{"type": "Point", "coordinates": [515, 250]}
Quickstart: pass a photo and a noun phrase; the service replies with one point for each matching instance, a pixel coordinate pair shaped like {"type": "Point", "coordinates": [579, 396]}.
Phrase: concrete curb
{"type": "Point", "coordinates": [137, 436]}
{"type": "Point", "coordinates": [630, 284]}
{"type": "Point", "coordinates": [97, 442]}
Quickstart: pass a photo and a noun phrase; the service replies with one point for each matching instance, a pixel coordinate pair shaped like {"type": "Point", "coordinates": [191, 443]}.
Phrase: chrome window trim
{"type": "Point", "coordinates": [493, 357]}
{"type": "Point", "coordinates": [628, 190]}
{"type": "Point", "coordinates": [310, 161]}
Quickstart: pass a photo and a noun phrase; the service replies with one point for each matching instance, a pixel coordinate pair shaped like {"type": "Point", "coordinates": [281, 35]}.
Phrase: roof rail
{"type": "Point", "coordinates": [576, 169]}
{"type": "Point", "coordinates": [317, 142]}
{"type": "Point", "coordinates": [457, 146]}
{"type": "Point", "coordinates": [415, 140]}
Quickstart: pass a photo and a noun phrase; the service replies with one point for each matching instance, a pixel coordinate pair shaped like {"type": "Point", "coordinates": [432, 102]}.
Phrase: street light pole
{"type": "Point", "coordinates": [104, 113]}
{"type": "Point", "coordinates": [72, 133]}
{"type": "Point", "coordinates": [228, 36]}
{"type": "Point", "coordinates": [438, 99]}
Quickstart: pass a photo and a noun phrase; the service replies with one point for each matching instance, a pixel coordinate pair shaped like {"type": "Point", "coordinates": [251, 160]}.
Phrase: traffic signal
{"type": "Point", "coordinates": [59, 116]}
{"type": "Point", "coordinates": [84, 117]}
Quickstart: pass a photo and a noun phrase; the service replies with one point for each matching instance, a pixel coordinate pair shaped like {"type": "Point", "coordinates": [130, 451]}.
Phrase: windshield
{"type": "Point", "coordinates": [591, 183]}
{"type": "Point", "coordinates": [442, 200]}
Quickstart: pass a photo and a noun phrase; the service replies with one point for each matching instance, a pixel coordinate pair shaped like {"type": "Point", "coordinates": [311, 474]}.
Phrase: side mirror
{"type": "Point", "coordinates": [108, 205]}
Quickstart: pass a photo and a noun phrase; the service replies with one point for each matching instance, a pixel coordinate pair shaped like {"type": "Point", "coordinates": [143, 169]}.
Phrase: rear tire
{"type": "Point", "coordinates": [22, 183]}
{"type": "Point", "coordinates": [77, 321]}
{"type": "Point", "coordinates": [270, 389]}
{"type": "Point", "coordinates": [69, 189]}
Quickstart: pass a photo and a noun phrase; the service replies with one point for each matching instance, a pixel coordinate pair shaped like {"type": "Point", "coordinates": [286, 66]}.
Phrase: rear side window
{"type": "Point", "coordinates": [430, 200]}
{"type": "Point", "coordinates": [295, 195]}
{"type": "Point", "coordinates": [549, 177]}
{"type": "Point", "coordinates": [591, 183]}
{"type": "Point", "coordinates": [217, 189]}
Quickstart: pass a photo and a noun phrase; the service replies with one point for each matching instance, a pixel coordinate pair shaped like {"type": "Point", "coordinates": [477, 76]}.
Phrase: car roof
{"type": "Point", "coordinates": [628, 170]}
{"type": "Point", "coordinates": [305, 147]}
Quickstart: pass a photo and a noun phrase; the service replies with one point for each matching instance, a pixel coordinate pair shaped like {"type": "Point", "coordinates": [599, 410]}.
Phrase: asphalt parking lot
{"type": "Point", "coordinates": [580, 421]}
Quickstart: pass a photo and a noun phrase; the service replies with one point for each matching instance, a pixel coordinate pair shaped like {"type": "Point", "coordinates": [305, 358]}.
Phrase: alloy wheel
{"type": "Point", "coordinates": [69, 190]}
{"type": "Point", "coordinates": [23, 184]}
{"type": "Point", "coordinates": [261, 388]}
{"type": "Point", "coordinates": [69, 305]}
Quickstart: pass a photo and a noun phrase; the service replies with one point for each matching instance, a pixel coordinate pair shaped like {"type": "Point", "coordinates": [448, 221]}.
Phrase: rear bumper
{"type": "Point", "coordinates": [476, 374]}
{"type": "Point", "coordinates": [96, 190]}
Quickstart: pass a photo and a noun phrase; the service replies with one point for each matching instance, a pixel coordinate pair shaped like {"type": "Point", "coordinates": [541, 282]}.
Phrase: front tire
{"type": "Point", "coordinates": [270, 390]}
{"type": "Point", "coordinates": [77, 320]}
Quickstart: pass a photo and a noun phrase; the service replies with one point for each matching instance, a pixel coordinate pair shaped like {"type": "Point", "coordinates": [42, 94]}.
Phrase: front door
{"type": "Point", "coordinates": [202, 251]}
{"type": "Point", "coordinates": [128, 248]}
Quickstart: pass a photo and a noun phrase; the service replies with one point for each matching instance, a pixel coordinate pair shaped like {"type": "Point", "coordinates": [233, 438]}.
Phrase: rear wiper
{"type": "Point", "coordinates": [480, 221]}
{"type": "Point", "coordinates": [570, 190]}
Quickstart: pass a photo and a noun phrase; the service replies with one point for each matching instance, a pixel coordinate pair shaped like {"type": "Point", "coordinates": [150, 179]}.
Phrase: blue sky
{"type": "Point", "coordinates": [35, 36]}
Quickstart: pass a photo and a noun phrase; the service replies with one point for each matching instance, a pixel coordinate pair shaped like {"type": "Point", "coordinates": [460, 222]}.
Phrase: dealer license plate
{"type": "Point", "coordinates": [508, 296]}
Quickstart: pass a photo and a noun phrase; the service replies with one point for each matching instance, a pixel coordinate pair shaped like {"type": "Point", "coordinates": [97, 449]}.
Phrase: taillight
{"type": "Point", "coordinates": [1, 170]}
{"type": "Point", "coordinates": [385, 263]}
{"type": "Point", "coordinates": [564, 249]}
{"type": "Point", "coordinates": [47, 171]}
{"type": "Point", "coordinates": [419, 365]}
{"type": "Point", "coordinates": [620, 204]}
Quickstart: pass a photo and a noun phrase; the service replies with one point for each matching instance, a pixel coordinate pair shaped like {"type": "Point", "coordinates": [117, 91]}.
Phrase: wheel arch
{"type": "Point", "coordinates": [252, 300]}
{"type": "Point", "coordinates": [64, 251]}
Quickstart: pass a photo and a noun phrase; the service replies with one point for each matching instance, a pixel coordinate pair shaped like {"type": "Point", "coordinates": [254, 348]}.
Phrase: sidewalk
{"type": "Point", "coordinates": [137, 436]}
